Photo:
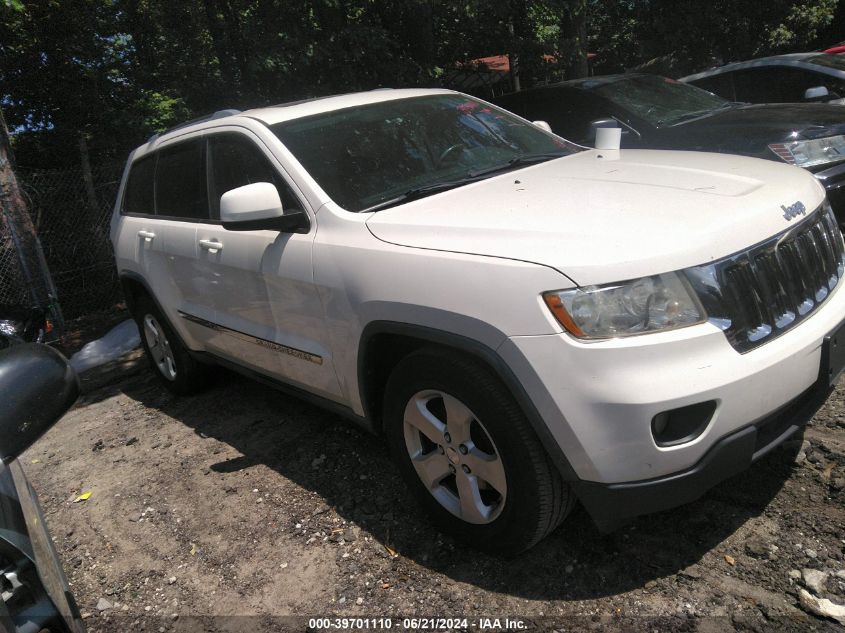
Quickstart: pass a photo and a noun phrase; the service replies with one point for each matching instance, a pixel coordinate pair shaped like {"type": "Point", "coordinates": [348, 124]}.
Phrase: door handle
{"type": "Point", "coordinates": [212, 246]}
{"type": "Point", "coordinates": [147, 235]}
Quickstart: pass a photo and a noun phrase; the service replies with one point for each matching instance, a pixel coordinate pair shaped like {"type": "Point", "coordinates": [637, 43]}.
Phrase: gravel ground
{"type": "Point", "coordinates": [230, 510]}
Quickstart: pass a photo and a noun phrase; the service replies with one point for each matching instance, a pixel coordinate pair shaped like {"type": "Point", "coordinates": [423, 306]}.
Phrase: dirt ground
{"type": "Point", "coordinates": [240, 507]}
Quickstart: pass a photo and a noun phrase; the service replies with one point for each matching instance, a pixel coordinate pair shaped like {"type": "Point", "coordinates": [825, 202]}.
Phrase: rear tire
{"type": "Point", "coordinates": [469, 454]}
{"type": "Point", "coordinates": [168, 356]}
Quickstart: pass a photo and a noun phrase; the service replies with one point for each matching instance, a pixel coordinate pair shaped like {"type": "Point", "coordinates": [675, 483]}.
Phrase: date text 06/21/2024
{"type": "Point", "coordinates": [420, 624]}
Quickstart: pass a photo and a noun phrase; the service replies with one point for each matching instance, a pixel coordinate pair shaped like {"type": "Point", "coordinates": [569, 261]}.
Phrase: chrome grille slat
{"type": "Point", "coordinates": [764, 291]}
{"type": "Point", "coordinates": [771, 279]}
{"type": "Point", "coordinates": [826, 249]}
{"type": "Point", "coordinates": [817, 263]}
{"type": "Point", "coordinates": [741, 291]}
{"type": "Point", "coordinates": [806, 261]}
{"type": "Point", "coordinates": [823, 240]}
{"type": "Point", "coordinates": [801, 296]}
{"type": "Point", "coordinates": [760, 291]}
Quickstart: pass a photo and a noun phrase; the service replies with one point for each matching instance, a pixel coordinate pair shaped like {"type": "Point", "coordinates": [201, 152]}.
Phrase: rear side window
{"type": "Point", "coordinates": [570, 113]}
{"type": "Point", "coordinates": [139, 187]}
{"type": "Point", "coordinates": [180, 186]}
{"type": "Point", "coordinates": [235, 161]}
{"type": "Point", "coordinates": [517, 103]}
{"type": "Point", "coordinates": [721, 85]}
{"type": "Point", "coordinates": [760, 85]}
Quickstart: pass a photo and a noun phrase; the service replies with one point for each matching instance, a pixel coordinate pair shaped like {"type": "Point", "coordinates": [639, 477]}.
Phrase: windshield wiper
{"type": "Point", "coordinates": [419, 192]}
{"type": "Point", "coordinates": [471, 176]}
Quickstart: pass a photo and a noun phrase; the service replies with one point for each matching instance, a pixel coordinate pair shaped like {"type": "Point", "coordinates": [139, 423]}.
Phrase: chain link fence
{"type": "Point", "coordinates": [70, 211]}
{"type": "Point", "coordinates": [13, 284]}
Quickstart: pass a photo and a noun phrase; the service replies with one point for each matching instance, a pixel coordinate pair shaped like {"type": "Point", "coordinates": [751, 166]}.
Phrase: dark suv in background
{"type": "Point", "coordinates": [660, 113]}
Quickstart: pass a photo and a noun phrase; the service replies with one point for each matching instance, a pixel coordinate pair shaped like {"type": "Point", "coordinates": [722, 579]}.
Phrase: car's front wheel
{"type": "Point", "coordinates": [468, 453]}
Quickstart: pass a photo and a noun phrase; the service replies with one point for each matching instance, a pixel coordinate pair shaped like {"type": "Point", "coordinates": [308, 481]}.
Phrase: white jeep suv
{"type": "Point", "coordinates": [526, 321]}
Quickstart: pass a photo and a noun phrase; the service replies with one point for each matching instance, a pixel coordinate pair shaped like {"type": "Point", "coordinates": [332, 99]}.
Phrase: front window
{"type": "Point", "coordinates": [658, 100]}
{"type": "Point", "coordinates": [366, 156]}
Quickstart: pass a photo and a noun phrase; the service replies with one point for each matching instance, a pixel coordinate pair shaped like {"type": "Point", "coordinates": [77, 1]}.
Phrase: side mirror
{"type": "Point", "coordinates": [543, 125]}
{"type": "Point", "coordinates": [257, 207]}
{"type": "Point", "coordinates": [816, 93]}
{"type": "Point", "coordinates": [38, 387]}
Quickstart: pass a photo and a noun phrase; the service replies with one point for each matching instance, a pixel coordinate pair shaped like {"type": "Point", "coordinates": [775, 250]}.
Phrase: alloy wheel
{"type": "Point", "coordinates": [454, 456]}
{"type": "Point", "coordinates": [159, 347]}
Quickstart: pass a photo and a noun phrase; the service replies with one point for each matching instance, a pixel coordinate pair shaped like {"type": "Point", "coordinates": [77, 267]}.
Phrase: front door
{"type": "Point", "coordinates": [261, 282]}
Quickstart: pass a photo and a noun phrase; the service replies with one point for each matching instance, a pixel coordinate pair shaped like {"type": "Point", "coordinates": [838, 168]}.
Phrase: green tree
{"type": "Point", "coordinates": [689, 36]}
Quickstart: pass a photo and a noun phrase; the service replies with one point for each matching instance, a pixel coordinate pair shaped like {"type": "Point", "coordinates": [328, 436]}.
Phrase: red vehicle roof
{"type": "Point", "coordinates": [836, 50]}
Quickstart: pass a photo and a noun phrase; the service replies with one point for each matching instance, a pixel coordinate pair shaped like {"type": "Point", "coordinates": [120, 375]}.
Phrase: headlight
{"type": "Point", "coordinates": [817, 151]}
{"type": "Point", "coordinates": [650, 304]}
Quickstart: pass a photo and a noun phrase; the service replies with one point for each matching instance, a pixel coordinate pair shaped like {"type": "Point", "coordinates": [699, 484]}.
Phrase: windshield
{"type": "Point", "coordinates": [658, 100]}
{"type": "Point", "coordinates": [366, 155]}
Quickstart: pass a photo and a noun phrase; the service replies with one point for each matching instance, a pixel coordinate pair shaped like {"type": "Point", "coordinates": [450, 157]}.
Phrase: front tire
{"type": "Point", "coordinates": [469, 455]}
{"type": "Point", "coordinates": [168, 356]}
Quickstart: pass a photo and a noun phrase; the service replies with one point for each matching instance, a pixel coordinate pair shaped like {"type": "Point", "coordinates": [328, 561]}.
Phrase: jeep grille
{"type": "Point", "coordinates": [758, 294]}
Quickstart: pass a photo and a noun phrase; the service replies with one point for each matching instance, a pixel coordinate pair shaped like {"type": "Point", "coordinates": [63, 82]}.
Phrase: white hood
{"type": "Point", "coordinates": [605, 216]}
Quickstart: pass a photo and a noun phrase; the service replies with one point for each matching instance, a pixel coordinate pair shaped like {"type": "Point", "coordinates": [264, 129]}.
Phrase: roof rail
{"type": "Point", "coordinates": [209, 117]}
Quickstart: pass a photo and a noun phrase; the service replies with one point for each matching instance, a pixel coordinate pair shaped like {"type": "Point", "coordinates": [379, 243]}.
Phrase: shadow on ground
{"type": "Point", "coordinates": [358, 479]}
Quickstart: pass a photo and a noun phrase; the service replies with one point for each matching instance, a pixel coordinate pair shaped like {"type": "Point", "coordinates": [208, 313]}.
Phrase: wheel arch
{"type": "Point", "coordinates": [383, 344]}
{"type": "Point", "coordinates": [134, 285]}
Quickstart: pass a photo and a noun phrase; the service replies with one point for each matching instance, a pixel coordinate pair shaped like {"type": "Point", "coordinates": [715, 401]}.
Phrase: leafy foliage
{"type": "Point", "coordinates": [104, 74]}
{"type": "Point", "coordinates": [682, 36]}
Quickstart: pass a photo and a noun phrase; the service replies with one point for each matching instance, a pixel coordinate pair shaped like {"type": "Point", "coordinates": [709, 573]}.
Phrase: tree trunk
{"type": "Point", "coordinates": [218, 39]}
{"type": "Point", "coordinates": [573, 30]}
{"type": "Point", "coordinates": [19, 224]}
{"type": "Point", "coordinates": [235, 43]}
{"type": "Point", "coordinates": [513, 59]}
{"type": "Point", "coordinates": [11, 200]}
{"type": "Point", "coordinates": [15, 218]}
{"type": "Point", "coordinates": [86, 175]}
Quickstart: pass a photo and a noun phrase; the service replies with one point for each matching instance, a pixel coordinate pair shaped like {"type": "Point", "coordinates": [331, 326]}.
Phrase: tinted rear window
{"type": "Point", "coordinates": [181, 190]}
{"type": "Point", "coordinates": [721, 85]}
{"type": "Point", "coordinates": [139, 187]}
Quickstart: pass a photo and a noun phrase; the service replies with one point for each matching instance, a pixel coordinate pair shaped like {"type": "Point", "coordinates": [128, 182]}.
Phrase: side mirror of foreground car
{"type": "Point", "coordinates": [37, 386]}
{"type": "Point", "coordinates": [257, 207]}
{"type": "Point", "coordinates": [543, 125]}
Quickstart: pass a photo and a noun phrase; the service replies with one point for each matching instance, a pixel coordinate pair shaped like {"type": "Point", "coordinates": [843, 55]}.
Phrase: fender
{"type": "Point", "coordinates": [480, 352]}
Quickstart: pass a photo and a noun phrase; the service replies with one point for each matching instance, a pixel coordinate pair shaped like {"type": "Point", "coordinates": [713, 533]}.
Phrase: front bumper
{"type": "Point", "coordinates": [729, 456]}
{"type": "Point", "coordinates": [597, 401]}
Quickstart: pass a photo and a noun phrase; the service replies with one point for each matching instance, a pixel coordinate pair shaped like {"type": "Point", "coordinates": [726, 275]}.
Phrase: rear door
{"type": "Point", "coordinates": [181, 200]}
{"type": "Point", "coordinates": [261, 282]}
{"type": "Point", "coordinates": [141, 236]}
